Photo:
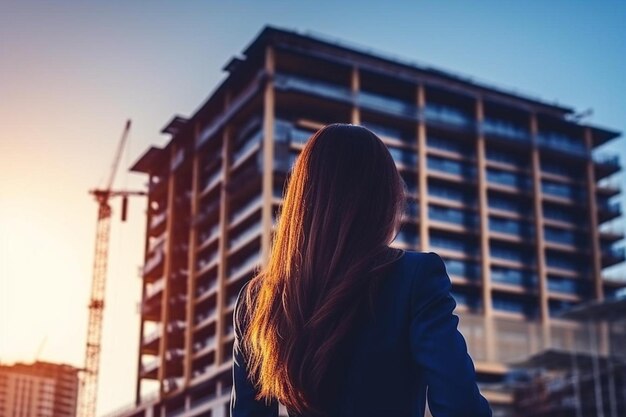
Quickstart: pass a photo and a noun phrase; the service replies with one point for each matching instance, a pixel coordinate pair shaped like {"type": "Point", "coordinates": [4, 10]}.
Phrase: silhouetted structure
{"type": "Point", "coordinates": [503, 186]}
{"type": "Point", "coordinates": [39, 389]}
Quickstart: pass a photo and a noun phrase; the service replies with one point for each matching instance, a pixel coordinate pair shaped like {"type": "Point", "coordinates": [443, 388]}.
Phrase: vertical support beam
{"type": "Point", "coordinates": [422, 170]}
{"type": "Point", "coordinates": [223, 241]}
{"type": "Point", "coordinates": [596, 254]}
{"type": "Point", "coordinates": [146, 246]}
{"type": "Point", "coordinates": [191, 260]}
{"type": "Point", "coordinates": [596, 249]}
{"type": "Point", "coordinates": [542, 276]}
{"type": "Point", "coordinates": [268, 156]}
{"type": "Point", "coordinates": [483, 214]}
{"type": "Point", "coordinates": [167, 271]}
{"type": "Point", "coordinates": [355, 85]}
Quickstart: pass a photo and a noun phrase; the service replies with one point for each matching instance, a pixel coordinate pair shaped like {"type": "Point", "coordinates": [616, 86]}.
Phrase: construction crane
{"type": "Point", "coordinates": [89, 382]}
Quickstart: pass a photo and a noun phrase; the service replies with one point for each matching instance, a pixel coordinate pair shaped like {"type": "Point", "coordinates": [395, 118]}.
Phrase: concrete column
{"type": "Point", "coordinates": [485, 260]}
{"type": "Point", "coordinates": [422, 170]}
{"type": "Point", "coordinates": [542, 276]}
{"type": "Point", "coordinates": [594, 237]}
{"type": "Point", "coordinates": [143, 297]}
{"type": "Point", "coordinates": [355, 84]}
{"type": "Point", "coordinates": [167, 271]}
{"type": "Point", "coordinates": [191, 260]}
{"type": "Point", "coordinates": [268, 156]}
{"type": "Point", "coordinates": [222, 275]}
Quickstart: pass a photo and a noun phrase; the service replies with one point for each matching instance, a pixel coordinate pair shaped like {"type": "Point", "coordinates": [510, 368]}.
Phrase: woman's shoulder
{"type": "Point", "coordinates": [422, 260]}
{"type": "Point", "coordinates": [427, 274]}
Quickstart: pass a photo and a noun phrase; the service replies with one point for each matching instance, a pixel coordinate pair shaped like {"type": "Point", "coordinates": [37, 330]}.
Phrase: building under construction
{"type": "Point", "coordinates": [506, 188]}
{"type": "Point", "coordinates": [38, 389]}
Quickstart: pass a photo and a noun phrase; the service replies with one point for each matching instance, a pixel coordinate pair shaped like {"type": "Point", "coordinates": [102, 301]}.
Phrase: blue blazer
{"type": "Point", "coordinates": [410, 352]}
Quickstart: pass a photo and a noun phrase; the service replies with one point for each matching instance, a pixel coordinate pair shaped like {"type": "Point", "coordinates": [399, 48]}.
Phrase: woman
{"type": "Point", "coordinates": [338, 323]}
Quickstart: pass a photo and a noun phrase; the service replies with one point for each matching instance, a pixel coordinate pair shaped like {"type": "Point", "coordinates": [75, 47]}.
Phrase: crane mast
{"type": "Point", "coordinates": [89, 381]}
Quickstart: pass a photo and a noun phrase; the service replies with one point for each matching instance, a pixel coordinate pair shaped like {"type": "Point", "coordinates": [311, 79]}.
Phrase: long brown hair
{"type": "Point", "coordinates": [341, 210]}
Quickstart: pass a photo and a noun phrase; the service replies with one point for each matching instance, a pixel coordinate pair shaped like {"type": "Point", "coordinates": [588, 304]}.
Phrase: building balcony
{"type": "Point", "coordinates": [207, 262]}
{"type": "Point", "coordinates": [608, 210]}
{"type": "Point", "coordinates": [151, 310]}
{"type": "Point", "coordinates": [154, 290]}
{"type": "Point", "coordinates": [614, 285]}
{"type": "Point", "coordinates": [208, 235]}
{"type": "Point", "coordinates": [466, 219]}
{"type": "Point", "coordinates": [150, 369]}
{"type": "Point", "coordinates": [405, 158]}
{"type": "Point", "coordinates": [288, 132]}
{"type": "Point", "coordinates": [449, 147]}
{"type": "Point", "coordinates": [512, 254]}
{"type": "Point", "coordinates": [200, 373]}
{"type": "Point", "coordinates": [157, 220]}
{"type": "Point", "coordinates": [441, 115]}
{"type": "Point", "coordinates": [211, 182]}
{"type": "Point", "coordinates": [457, 196]}
{"type": "Point", "coordinates": [517, 230]}
{"type": "Point", "coordinates": [203, 291]}
{"type": "Point", "coordinates": [522, 278]}
{"type": "Point", "coordinates": [515, 304]}
{"type": "Point", "coordinates": [244, 237]}
{"type": "Point", "coordinates": [466, 272]}
{"type": "Point", "coordinates": [568, 264]}
{"type": "Point", "coordinates": [391, 134]}
{"type": "Point", "coordinates": [157, 241]}
{"type": "Point", "coordinates": [248, 264]}
{"type": "Point", "coordinates": [242, 212]}
{"type": "Point", "coordinates": [230, 302]}
{"type": "Point", "coordinates": [386, 104]}
{"type": "Point", "coordinates": [204, 317]}
{"type": "Point", "coordinates": [563, 192]}
{"type": "Point", "coordinates": [250, 147]}
{"type": "Point", "coordinates": [154, 265]}
{"type": "Point", "coordinates": [450, 169]}
{"type": "Point", "coordinates": [174, 369]}
{"type": "Point", "coordinates": [178, 304]}
{"type": "Point", "coordinates": [612, 256]}
{"type": "Point", "coordinates": [611, 234]}
{"type": "Point", "coordinates": [571, 287]}
{"type": "Point", "coordinates": [236, 104]}
{"type": "Point", "coordinates": [176, 326]}
{"type": "Point", "coordinates": [150, 342]}
{"type": "Point", "coordinates": [454, 247]}
{"type": "Point", "coordinates": [503, 129]}
{"type": "Point", "coordinates": [606, 165]}
{"type": "Point", "coordinates": [204, 346]}
{"type": "Point", "coordinates": [562, 144]}
{"type": "Point", "coordinates": [506, 180]}
{"type": "Point", "coordinates": [170, 385]}
{"type": "Point", "coordinates": [301, 84]}
{"type": "Point", "coordinates": [210, 211]}
{"type": "Point", "coordinates": [174, 354]}
{"type": "Point", "coordinates": [608, 187]}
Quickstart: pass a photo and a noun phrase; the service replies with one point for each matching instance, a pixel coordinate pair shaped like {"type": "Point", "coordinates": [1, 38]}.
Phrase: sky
{"type": "Point", "coordinates": [72, 72]}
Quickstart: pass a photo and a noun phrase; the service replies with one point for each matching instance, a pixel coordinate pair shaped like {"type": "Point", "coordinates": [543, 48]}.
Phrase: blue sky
{"type": "Point", "coordinates": [71, 73]}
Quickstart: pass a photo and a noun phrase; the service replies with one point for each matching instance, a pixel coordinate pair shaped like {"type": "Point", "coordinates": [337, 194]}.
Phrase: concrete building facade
{"type": "Point", "coordinates": [507, 188]}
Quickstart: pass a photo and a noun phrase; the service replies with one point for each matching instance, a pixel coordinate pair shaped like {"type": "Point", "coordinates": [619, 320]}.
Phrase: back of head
{"type": "Point", "coordinates": [341, 210]}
